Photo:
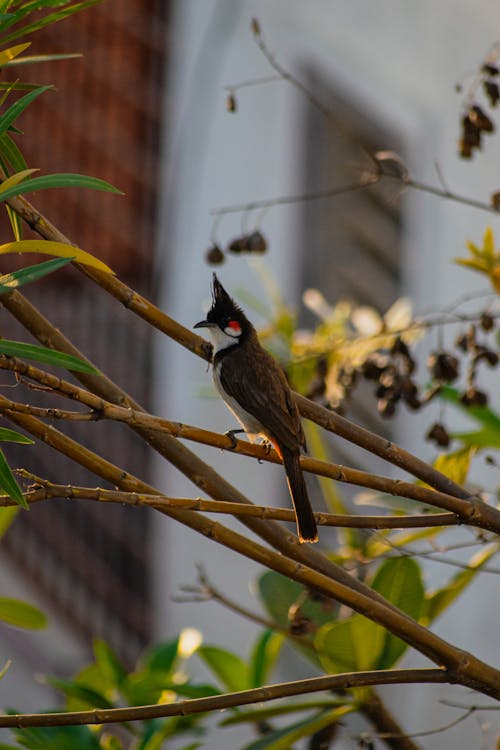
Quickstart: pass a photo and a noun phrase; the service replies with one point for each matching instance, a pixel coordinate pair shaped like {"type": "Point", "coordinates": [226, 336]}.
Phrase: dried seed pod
{"type": "Point", "coordinates": [255, 26]}
{"type": "Point", "coordinates": [495, 200]}
{"type": "Point", "coordinates": [370, 370]}
{"type": "Point", "coordinates": [256, 242]}
{"type": "Point", "coordinates": [238, 245]}
{"type": "Point", "coordinates": [439, 435]}
{"type": "Point", "coordinates": [443, 366]}
{"type": "Point", "coordinates": [486, 321]}
{"type": "Point", "coordinates": [474, 397]}
{"type": "Point", "coordinates": [489, 69]}
{"type": "Point", "coordinates": [231, 104]}
{"type": "Point", "coordinates": [214, 255]}
{"type": "Point", "coordinates": [492, 92]}
{"type": "Point", "coordinates": [386, 407]}
{"type": "Point", "coordinates": [480, 119]}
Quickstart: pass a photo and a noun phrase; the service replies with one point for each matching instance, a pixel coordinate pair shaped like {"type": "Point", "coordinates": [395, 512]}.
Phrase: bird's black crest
{"type": "Point", "coordinates": [223, 306]}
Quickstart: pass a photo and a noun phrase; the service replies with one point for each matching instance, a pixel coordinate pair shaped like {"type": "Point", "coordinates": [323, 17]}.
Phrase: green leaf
{"type": "Point", "coordinates": [56, 181]}
{"type": "Point", "coordinates": [7, 515]}
{"type": "Point", "coordinates": [399, 580]}
{"type": "Point", "coordinates": [84, 695]}
{"type": "Point", "coordinates": [11, 436]}
{"type": "Point", "coordinates": [264, 655]}
{"type": "Point", "coordinates": [264, 714]}
{"type": "Point", "coordinates": [438, 601]}
{"type": "Point", "coordinates": [11, 152]}
{"type": "Point", "coordinates": [21, 614]}
{"type": "Point", "coordinates": [45, 355]}
{"type": "Point", "coordinates": [9, 484]}
{"type": "Point", "coordinates": [51, 18]}
{"type": "Point", "coordinates": [278, 593]}
{"type": "Point", "coordinates": [29, 274]}
{"type": "Point", "coordinates": [228, 667]}
{"type": "Point", "coordinates": [488, 437]}
{"type": "Point", "coordinates": [57, 738]}
{"type": "Point", "coordinates": [349, 645]}
{"type": "Point", "coordinates": [163, 657]}
{"type": "Point", "coordinates": [109, 664]}
{"type": "Point", "coordinates": [13, 112]}
{"type": "Point", "coordinates": [284, 739]}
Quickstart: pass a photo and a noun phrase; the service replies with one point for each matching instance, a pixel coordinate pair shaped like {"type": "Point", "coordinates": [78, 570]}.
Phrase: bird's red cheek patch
{"type": "Point", "coordinates": [233, 327]}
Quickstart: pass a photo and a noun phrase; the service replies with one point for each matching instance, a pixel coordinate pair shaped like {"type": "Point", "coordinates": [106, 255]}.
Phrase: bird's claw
{"type": "Point", "coordinates": [231, 435]}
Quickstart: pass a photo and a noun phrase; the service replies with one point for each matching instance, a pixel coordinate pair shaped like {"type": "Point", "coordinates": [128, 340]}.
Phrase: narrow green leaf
{"type": "Point", "coordinates": [51, 18]}
{"type": "Point", "coordinates": [9, 484]}
{"type": "Point", "coordinates": [264, 655]}
{"type": "Point", "coordinates": [284, 739]}
{"type": "Point", "coordinates": [163, 657]}
{"type": "Point", "coordinates": [29, 274]}
{"type": "Point", "coordinates": [109, 663]}
{"type": "Point", "coordinates": [56, 181]}
{"type": "Point", "coordinates": [21, 614]}
{"type": "Point", "coordinates": [438, 601]}
{"type": "Point", "coordinates": [15, 223]}
{"type": "Point", "coordinates": [488, 437]}
{"type": "Point", "coordinates": [229, 668]}
{"type": "Point", "coordinates": [10, 150]}
{"type": "Point", "coordinates": [13, 112]}
{"type": "Point", "coordinates": [399, 580]}
{"type": "Point", "coordinates": [11, 436]}
{"type": "Point", "coordinates": [29, 59]}
{"type": "Point", "coordinates": [85, 695]}
{"type": "Point", "coordinates": [45, 355]}
{"type": "Point", "coordinates": [264, 714]}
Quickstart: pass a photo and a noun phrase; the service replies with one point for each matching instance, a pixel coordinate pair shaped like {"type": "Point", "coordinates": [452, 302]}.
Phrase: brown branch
{"type": "Point", "coordinates": [229, 700]}
{"type": "Point", "coordinates": [462, 667]}
{"type": "Point", "coordinates": [387, 727]}
{"type": "Point", "coordinates": [463, 509]}
{"type": "Point", "coordinates": [160, 501]}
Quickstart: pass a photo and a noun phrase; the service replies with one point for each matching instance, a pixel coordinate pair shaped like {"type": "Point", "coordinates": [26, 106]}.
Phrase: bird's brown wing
{"type": "Point", "coordinates": [262, 390]}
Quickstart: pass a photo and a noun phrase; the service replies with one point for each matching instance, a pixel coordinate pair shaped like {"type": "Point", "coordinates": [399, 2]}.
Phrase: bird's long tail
{"type": "Point", "coordinates": [306, 523]}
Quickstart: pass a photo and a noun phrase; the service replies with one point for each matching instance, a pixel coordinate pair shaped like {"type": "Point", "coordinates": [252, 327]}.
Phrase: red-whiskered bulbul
{"type": "Point", "coordinates": [255, 389]}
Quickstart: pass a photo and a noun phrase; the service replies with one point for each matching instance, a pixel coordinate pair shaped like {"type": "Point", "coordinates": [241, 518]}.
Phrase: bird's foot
{"type": "Point", "coordinates": [231, 435]}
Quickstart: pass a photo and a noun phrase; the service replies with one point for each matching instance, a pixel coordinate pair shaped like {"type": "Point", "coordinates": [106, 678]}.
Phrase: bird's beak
{"type": "Point", "coordinates": [204, 324]}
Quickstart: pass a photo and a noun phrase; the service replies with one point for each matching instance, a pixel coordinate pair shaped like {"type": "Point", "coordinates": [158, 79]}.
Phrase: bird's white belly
{"type": "Point", "coordinates": [250, 424]}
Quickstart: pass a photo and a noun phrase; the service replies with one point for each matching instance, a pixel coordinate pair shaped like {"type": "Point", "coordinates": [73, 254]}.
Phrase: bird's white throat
{"type": "Point", "coordinates": [220, 339]}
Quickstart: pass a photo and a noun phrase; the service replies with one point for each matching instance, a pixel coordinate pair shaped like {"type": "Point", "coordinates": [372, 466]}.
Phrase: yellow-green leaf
{"type": "Point", "coordinates": [15, 179]}
{"type": "Point", "coordinates": [477, 265]}
{"type": "Point", "coordinates": [9, 54]}
{"type": "Point", "coordinates": [456, 465]}
{"type": "Point", "coordinates": [488, 244]}
{"type": "Point", "coordinates": [59, 249]}
{"type": "Point", "coordinates": [21, 614]}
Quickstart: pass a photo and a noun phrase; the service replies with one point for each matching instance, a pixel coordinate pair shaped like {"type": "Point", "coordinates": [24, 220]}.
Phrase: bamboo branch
{"type": "Point", "coordinates": [49, 490]}
{"type": "Point", "coordinates": [467, 511]}
{"type": "Point", "coordinates": [228, 700]}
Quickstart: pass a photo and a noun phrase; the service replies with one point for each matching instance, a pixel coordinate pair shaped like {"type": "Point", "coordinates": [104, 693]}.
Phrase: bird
{"type": "Point", "coordinates": [255, 389]}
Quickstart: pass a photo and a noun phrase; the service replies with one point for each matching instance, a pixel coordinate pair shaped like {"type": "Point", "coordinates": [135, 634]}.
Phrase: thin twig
{"type": "Point", "coordinates": [229, 700]}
